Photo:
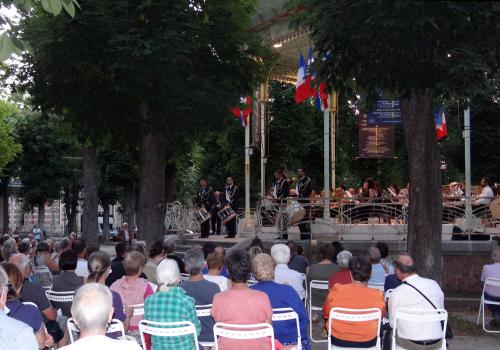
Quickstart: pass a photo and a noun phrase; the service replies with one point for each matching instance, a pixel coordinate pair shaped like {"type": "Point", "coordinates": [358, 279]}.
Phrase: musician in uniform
{"type": "Point", "coordinates": [216, 207]}
{"type": "Point", "coordinates": [231, 199]}
{"type": "Point", "coordinates": [205, 199]}
{"type": "Point", "coordinates": [281, 192]}
{"type": "Point", "coordinates": [304, 189]}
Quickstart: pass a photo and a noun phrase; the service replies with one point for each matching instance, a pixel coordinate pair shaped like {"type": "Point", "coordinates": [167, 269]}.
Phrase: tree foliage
{"type": "Point", "coordinates": [9, 148]}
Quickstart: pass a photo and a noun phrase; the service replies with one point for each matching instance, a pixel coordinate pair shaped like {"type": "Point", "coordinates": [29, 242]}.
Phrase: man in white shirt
{"type": "Point", "coordinates": [92, 310]}
{"type": "Point", "coordinates": [410, 334]}
{"type": "Point", "coordinates": [282, 273]}
{"type": "Point", "coordinates": [14, 335]}
{"type": "Point", "coordinates": [486, 195]}
{"type": "Point", "coordinates": [492, 292]}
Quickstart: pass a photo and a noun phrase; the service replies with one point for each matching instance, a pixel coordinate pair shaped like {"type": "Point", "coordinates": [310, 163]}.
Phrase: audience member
{"type": "Point", "coordinates": [343, 276]}
{"type": "Point", "coordinates": [201, 290]}
{"type": "Point", "coordinates": [257, 242]}
{"type": "Point", "coordinates": [355, 295]}
{"type": "Point", "coordinates": [61, 246]}
{"type": "Point", "coordinates": [14, 334]}
{"type": "Point", "coordinates": [391, 282]}
{"type": "Point", "coordinates": [407, 296]}
{"type": "Point", "coordinates": [171, 304]}
{"type": "Point", "coordinates": [378, 272]}
{"type": "Point", "coordinates": [297, 262]}
{"type": "Point", "coordinates": [99, 269]}
{"type": "Point", "coordinates": [338, 248]}
{"type": "Point", "coordinates": [32, 292]}
{"type": "Point", "coordinates": [212, 248]}
{"type": "Point", "coordinates": [240, 304]}
{"type": "Point", "coordinates": [92, 310]}
{"type": "Point", "coordinates": [90, 250]}
{"type": "Point", "coordinates": [254, 251]}
{"type": "Point", "coordinates": [43, 257]}
{"type": "Point", "coordinates": [280, 296]}
{"type": "Point", "coordinates": [283, 274]}
{"type": "Point", "coordinates": [79, 247]}
{"type": "Point", "coordinates": [156, 254]}
{"type": "Point", "coordinates": [170, 253]}
{"type": "Point", "coordinates": [117, 270]}
{"type": "Point", "coordinates": [9, 248]}
{"type": "Point", "coordinates": [24, 248]}
{"type": "Point", "coordinates": [492, 293]}
{"type": "Point", "coordinates": [385, 261]}
{"type": "Point", "coordinates": [68, 280]}
{"type": "Point", "coordinates": [215, 264]}
{"type": "Point", "coordinates": [132, 288]}
{"type": "Point", "coordinates": [26, 313]}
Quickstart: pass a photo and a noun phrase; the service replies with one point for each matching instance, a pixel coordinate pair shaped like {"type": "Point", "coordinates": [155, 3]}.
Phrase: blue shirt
{"type": "Point", "coordinates": [378, 274]}
{"type": "Point", "coordinates": [16, 335]}
{"type": "Point", "coordinates": [222, 273]}
{"type": "Point", "coordinates": [391, 282]}
{"type": "Point", "coordinates": [282, 296]}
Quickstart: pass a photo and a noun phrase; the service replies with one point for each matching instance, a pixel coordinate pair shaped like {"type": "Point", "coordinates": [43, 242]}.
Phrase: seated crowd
{"type": "Point", "coordinates": [240, 288]}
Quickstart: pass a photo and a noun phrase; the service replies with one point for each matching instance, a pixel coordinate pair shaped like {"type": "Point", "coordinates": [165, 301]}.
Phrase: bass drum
{"type": "Point", "coordinates": [495, 208]}
{"type": "Point", "coordinates": [295, 211]}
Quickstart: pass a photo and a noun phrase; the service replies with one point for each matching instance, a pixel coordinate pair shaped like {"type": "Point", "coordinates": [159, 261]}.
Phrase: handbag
{"type": "Point", "coordinates": [449, 331]}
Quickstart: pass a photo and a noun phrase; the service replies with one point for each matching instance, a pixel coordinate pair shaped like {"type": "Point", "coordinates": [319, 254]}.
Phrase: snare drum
{"type": "Point", "coordinates": [295, 211]}
{"type": "Point", "coordinates": [226, 214]}
{"type": "Point", "coordinates": [202, 215]}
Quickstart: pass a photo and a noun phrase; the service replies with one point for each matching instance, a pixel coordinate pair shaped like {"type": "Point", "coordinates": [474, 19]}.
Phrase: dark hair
{"type": "Point", "coordinates": [68, 260]}
{"type": "Point", "coordinates": [15, 278]}
{"type": "Point", "coordinates": [292, 245]}
{"type": "Point", "coordinates": [486, 179]}
{"type": "Point", "coordinates": [90, 250]}
{"type": "Point", "coordinates": [361, 268]}
{"type": "Point", "coordinates": [208, 247]}
{"type": "Point", "coordinates": [42, 247]}
{"type": "Point", "coordinates": [238, 266]}
{"type": "Point", "coordinates": [300, 250]}
{"type": "Point", "coordinates": [23, 247]}
{"type": "Point", "coordinates": [338, 248]}
{"type": "Point", "coordinates": [384, 249]}
{"type": "Point", "coordinates": [3, 239]}
{"type": "Point", "coordinates": [257, 242]}
{"type": "Point", "coordinates": [156, 249]}
{"type": "Point", "coordinates": [327, 251]}
{"type": "Point", "coordinates": [121, 248]}
{"type": "Point", "coordinates": [79, 246]}
{"type": "Point", "coordinates": [343, 187]}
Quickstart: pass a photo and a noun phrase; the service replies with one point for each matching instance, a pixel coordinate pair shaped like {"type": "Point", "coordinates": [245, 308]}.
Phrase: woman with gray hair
{"type": "Point", "coordinates": [344, 275]}
{"type": "Point", "coordinates": [92, 310]}
{"type": "Point", "coordinates": [280, 296]}
{"type": "Point", "coordinates": [282, 273]}
{"type": "Point", "coordinates": [171, 304]}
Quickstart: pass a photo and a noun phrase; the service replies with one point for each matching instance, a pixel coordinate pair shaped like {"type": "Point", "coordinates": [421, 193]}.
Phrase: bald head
{"type": "Point", "coordinates": [375, 256]}
{"type": "Point", "coordinates": [404, 266]}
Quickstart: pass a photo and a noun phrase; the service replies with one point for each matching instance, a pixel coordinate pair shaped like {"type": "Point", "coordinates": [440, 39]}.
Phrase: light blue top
{"type": "Point", "coordinates": [16, 335]}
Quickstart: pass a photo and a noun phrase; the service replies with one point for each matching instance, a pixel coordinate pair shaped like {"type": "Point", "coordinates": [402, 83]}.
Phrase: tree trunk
{"type": "Point", "coordinates": [41, 217]}
{"type": "Point", "coordinates": [129, 203]}
{"type": "Point", "coordinates": [151, 204]}
{"type": "Point", "coordinates": [4, 192]}
{"type": "Point", "coordinates": [105, 222]}
{"type": "Point", "coordinates": [425, 206]}
{"type": "Point", "coordinates": [90, 200]}
{"type": "Point", "coordinates": [169, 180]}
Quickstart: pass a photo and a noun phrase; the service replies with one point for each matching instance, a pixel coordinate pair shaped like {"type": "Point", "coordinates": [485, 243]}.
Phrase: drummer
{"type": "Point", "coordinates": [216, 207]}
{"type": "Point", "coordinates": [231, 199]}
{"type": "Point", "coordinates": [204, 199]}
{"type": "Point", "coordinates": [304, 189]}
{"type": "Point", "coordinates": [280, 184]}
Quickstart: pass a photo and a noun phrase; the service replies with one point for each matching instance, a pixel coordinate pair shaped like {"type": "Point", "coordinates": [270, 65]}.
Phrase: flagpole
{"type": "Point", "coordinates": [468, 198]}
{"type": "Point", "coordinates": [247, 168]}
{"type": "Point", "coordinates": [326, 162]}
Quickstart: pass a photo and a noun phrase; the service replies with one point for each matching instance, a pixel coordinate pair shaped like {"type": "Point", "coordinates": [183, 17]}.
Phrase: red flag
{"type": "Point", "coordinates": [243, 111]}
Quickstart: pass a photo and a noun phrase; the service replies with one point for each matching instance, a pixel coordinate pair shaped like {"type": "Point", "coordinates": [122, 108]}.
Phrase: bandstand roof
{"type": "Point", "coordinates": [272, 21]}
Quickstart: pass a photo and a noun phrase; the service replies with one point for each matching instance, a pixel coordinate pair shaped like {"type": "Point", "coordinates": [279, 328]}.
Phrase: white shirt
{"type": "Point", "coordinates": [82, 269]}
{"type": "Point", "coordinates": [220, 280]}
{"type": "Point", "coordinates": [485, 197]}
{"type": "Point", "coordinates": [285, 275]}
{"type": "Point", "coordinates": [406, 297]}
{"type": "Point", "coordinates": [101, 342]}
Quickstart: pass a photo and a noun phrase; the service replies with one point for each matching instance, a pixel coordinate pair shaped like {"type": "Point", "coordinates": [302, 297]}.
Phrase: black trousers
{"type": "Point", "coordinates": [216, 223]}
{"type": "Point", "coordinates": [231, 228]}
{"type": "Point", "coordinates": [205, 229]}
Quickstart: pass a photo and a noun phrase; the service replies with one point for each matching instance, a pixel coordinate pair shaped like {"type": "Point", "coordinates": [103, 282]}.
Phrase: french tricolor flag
{"type": "Point", "coordinates": [303, 85]}
{"type": "Point", "coordinates": [441, 131]}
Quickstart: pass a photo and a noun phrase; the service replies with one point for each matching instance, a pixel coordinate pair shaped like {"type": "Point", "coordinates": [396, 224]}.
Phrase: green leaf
{"type": "Point", "coordinates": [52, 6]}
{"type": "Point", "coordinates": [6, 46]}
{"type": "Point", "coordinates": [69, 7]}
{"type": "Point", "coordinates": [18, 43]}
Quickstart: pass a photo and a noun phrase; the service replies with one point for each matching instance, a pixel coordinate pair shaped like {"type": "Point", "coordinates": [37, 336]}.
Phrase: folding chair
{"type": "Point", "coordinates": [350, 316]}
{"type": "Point", "coordinates": [114, 326]}
{"type": "Point", "coordinates": [318, 285]}
{"type": "Point", "coordinates": [304, 284]}
{"type": "Point", "coordinates": [138, 309]}
{"type": "Point", "coordinates": [420, 316]}
{"type": "Point", "coordinates": [243, 332]}
{"type": "Point", "coordinates": [379, 286]}
{"type": "Point", "coordinates": [387, 295]}
{"type": "Point", "coordinates": [60, 297]}
{"type": "Point", "coordinates": [286, 314]}
{"type": "Point", "coordinates": [167, 329]}
{"type": "Point", "coordinates": [204, 311]}
{"type": "Point", "coordinates": [493, 282]}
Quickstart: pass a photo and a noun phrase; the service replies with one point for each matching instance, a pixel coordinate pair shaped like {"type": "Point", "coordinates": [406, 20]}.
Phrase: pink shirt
{"type": "Point", "coordinates": [242, 306]}
{"type": "Point", "coordinates": [491, 271]}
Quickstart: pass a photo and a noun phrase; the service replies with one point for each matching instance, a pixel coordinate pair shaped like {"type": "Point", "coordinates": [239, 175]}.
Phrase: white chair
{"type": "Point", "coordinates": [251, 282]}
{"type": "Point", "coordinates": [204, 311]}
{"type": "Point", "coordinates": [304, 284]}
{"type": "Point", "coordinates": [318, 285]}
{"type": "Point", "coordinates": [379, 286]}
{"type": "Point", "coordinates": [184, 276]}
{"type": "Point", "coordinates": [422, 317]}
{"type": "Point", "coordinates": [243, 332]}
{"type": "Point", "coordinates": [353, 315]}
{"type": "Point", "coordinates": [286, 314]}
{"type": "Point", "coordinates": [60, 297]}
{"type": "Point", "coordinates": [114, 326]}
{"type": "Point", "coordinates": [387, 295]}
{"type": "Point", "coordinates": [167, 329]}
{"type": "Point", "coordinates": [492, 282]}
{"type": "Point", "coordinates": [138, 309]}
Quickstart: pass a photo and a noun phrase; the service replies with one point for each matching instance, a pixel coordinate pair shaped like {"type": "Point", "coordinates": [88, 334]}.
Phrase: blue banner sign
{"type": "Point", "coordinates": [385, 112]}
